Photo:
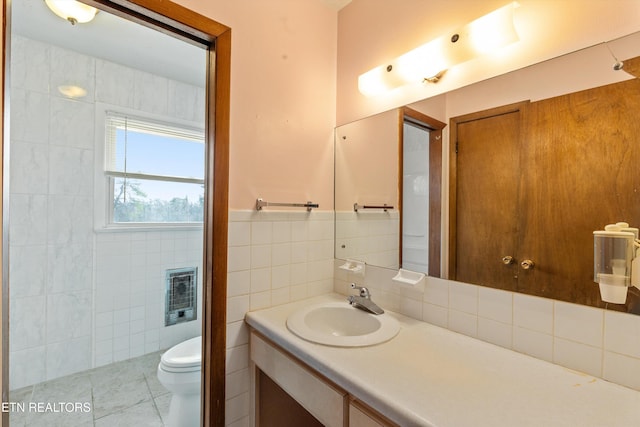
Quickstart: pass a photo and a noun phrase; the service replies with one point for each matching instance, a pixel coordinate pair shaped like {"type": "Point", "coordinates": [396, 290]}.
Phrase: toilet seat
{"type": "Point", "coordinates": [184, 357]}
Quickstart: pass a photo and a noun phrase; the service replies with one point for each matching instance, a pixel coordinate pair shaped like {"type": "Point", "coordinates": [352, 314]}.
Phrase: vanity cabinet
{"type": "Point", "coordinates": [361, 415]}
{"type": "Point", "coordinates": [287, 392]}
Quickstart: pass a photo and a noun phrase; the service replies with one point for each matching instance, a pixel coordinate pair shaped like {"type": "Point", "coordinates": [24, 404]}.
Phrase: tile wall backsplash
{"type": "Point", "coordinates": [369, 236]}
{"type": "Point", "coordinates": [81, 299]}
{"type": "Point", "coordinates": [601, 343]}
{"type": "Point", "coordinates": [275, 257]}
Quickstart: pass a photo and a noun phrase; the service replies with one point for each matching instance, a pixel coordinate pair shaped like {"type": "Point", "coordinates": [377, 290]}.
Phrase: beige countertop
{"type": "Point", "coordinates": [430, 376]}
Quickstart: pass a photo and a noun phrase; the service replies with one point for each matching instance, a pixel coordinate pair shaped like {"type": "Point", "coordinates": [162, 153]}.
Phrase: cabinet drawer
{"type": "Point", "coordinates": [322, 400]}
{"type": "Point", "coordinates": [362, 416]}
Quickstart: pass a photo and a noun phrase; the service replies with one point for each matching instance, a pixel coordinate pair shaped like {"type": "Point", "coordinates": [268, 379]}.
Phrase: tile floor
{"type": "Point", "coordinates": [121, 394]}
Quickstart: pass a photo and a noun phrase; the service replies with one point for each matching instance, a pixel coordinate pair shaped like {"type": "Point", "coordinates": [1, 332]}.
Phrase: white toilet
{"type": "Point", "coordinates": [179, 372]}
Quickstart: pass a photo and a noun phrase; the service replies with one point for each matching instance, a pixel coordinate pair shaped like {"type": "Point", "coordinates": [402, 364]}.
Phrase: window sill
{"type": "Point", "coordinates": [124, 228]}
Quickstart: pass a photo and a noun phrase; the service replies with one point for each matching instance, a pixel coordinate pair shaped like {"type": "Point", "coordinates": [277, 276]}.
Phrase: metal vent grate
{"type": "Point", "coordinates": [181, 295]}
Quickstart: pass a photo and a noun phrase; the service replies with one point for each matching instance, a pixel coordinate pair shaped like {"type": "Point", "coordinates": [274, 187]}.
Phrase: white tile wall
{"type": "Point", "coordinates": [130, 284]}
{"type": "Point", "coordinates": [622, 334]}
{"type": "Point", "coordinates": [275, 257]}
{"type": "Point", "coordinates": [601, 343]}
{"type": "Point", "coordinates": [81, 299]}
{"type": "Point", "coordinates": [533, 313]}
{"type": "Point", "coordinates": [368, 236]}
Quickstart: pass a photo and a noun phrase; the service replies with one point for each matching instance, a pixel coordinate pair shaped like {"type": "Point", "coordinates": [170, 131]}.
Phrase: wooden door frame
{"type": "Point", "coordinates": [190, 26]}
{"type": "Point", "coordinates": [435, 182]}
{"type": "Point", "coordinates": [453, 173]}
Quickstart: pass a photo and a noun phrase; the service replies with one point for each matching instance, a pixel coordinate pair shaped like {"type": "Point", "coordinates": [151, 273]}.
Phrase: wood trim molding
{"type": "Point", "coordinates": [190, 26]}
{"type": "Point", "coordinates": [423, 118]}
{"type": "Point", "coordinates": [632, 66]}
{"type": "Point", "coordinates": [4, 273]}
{"type": "Point", "coordinates": [165, 16]}
{"type": "Point", "coordinates": [215, 254]}
{"type": "Point", "coordinates": [401, 115]}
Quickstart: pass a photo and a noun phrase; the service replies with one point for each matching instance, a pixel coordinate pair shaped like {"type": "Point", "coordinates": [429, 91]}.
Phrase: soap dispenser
{"type": "Point", "coordinates": [614, 255]}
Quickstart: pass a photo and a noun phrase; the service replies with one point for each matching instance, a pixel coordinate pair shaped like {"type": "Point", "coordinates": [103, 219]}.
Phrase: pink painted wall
{"type": "Point", "coordinates": [367, 162]}
{"type": "Point", "coordinates": [295, 65]}
{"type": "Point", "coordinates": [282, 98]}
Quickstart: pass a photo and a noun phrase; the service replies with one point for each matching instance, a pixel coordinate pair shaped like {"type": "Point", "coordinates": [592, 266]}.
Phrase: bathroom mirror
{"type": "Point", "coordinates": [386, 162]}
{"type": "Point", "coordinates": [377, 160]}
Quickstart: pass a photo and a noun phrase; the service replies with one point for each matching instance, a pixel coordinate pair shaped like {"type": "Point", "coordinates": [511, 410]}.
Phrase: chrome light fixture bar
{"type": "Point", "coordinates": [429, 62]}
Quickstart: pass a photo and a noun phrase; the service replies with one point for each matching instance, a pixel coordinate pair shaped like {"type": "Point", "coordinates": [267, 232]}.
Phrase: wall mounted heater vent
{"type": "Point", "coordinates": [181, 295]}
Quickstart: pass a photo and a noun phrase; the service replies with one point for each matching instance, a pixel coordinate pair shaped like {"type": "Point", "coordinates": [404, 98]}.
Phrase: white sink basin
{"type": "Point", "coordinates": [341, 325]}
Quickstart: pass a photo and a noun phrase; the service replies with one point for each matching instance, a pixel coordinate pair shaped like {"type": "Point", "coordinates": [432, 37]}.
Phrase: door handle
{"type": "Point", "coordinates": [527, 264]}
{"type": "Point", "coordinates": [508, 259]}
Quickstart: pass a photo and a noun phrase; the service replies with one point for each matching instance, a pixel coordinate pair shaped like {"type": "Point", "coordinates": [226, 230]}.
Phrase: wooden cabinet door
{"type": "Point", "coordinates": [583, 155]}
{"type": "Point", "coordinates": [533, 181]}
{"type": "Point", "coordinates": [485, 182]}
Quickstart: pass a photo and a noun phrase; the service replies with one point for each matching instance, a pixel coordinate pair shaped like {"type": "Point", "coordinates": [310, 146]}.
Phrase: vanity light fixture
{"type": "Point", "coordinates": [71, 10]}
{"type": "Point", "coordinates": [429, 62]}
{"type": "Point", "coordinates": [617, 65]}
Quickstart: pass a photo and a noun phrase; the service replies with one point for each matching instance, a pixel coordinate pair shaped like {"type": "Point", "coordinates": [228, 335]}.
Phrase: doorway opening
{"type": "Point", "coordinates": [420, 182]}
{"type": "Point", "coordinates": [54, 194]}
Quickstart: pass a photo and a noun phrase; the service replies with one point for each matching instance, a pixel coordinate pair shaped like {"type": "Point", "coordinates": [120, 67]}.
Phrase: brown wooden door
{"type": "Point", "coordinates": [485, 188]}
{"type": "Point", "coordinates": [583, 155]}
{"type": "Point", "coordinates": [535, 181]}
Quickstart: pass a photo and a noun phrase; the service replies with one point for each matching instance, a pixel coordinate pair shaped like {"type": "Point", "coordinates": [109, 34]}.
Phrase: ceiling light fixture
{"type": "Point", "coordinates": [72, 91]}
{"type": "Point", "coordinates": [429, 62]}
{"type": "Point", "coordinates": [71, 10]}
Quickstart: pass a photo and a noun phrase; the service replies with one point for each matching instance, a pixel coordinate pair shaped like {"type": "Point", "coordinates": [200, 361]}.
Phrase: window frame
{"type": "Point", "coordinates": [104, 180]}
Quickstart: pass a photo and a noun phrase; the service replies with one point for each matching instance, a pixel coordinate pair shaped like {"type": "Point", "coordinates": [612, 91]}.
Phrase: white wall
{"type": "Point", "coordinates": [81, 299]}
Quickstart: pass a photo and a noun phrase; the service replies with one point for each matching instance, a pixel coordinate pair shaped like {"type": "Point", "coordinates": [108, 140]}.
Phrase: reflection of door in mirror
{"type": "Point", "coordinates": [535, 184]}
{"type": "Point", "coordinates": [415, 197]}
{"type": "Point", "coordinates": [487, 169]}
{"type": "Point", "coordinates": [420, 179]}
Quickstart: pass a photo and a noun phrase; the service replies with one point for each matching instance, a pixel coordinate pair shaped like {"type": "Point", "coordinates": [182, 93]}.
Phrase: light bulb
{"type": "Point", "coordinates": [71, 10]}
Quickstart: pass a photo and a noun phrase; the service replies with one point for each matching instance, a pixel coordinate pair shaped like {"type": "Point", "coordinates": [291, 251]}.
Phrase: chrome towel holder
{"type": "Point", "coordinates": [384, 207]}
{"type": "Point", "coordinates": [262, 204]}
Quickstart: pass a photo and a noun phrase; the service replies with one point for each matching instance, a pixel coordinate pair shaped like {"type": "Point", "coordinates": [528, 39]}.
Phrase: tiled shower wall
{"type": "Point", "coordinates": [129, 291]}
{"type": "Point", "coordinates": [275, 257]}
{"type": "Point", "coordinates": [76, 299]}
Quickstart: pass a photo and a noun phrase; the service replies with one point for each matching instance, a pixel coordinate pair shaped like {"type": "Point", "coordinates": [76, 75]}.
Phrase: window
{"type": "Point", "coordinates": [155, 171]}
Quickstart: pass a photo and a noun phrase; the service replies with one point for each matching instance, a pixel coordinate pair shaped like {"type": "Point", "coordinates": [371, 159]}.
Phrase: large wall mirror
{"type": "Point", "coordinates": [572, 88]}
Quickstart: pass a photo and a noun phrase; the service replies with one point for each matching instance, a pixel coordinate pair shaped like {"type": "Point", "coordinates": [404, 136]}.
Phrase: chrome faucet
{"type": "Point", "coordinates": [363, 301]}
